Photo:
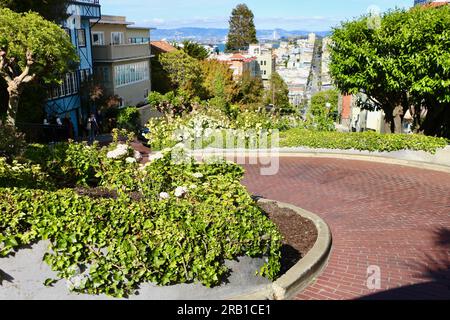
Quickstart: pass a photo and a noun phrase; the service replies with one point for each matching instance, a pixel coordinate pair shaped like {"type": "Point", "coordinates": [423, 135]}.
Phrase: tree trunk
{"type": "Point", "coordinates": [393, 119]}
{"type": "Point", "coordinates": [13, 103]}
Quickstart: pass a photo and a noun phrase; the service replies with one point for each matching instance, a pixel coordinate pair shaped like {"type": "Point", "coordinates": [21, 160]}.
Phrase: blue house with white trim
{"type": "Point", "coordinates": [65, 100]}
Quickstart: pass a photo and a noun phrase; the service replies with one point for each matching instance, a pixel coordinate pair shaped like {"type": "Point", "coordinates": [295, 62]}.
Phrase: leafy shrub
{"type": "Point", "coordinates": [368, 141]}
{"type": "Point", "coordinates": [128, 119]}
{"type": "Point", "coordinates": [22, 175]}
{"type": "Point", "coordinates": [320, 117]}
{"type": "Point", "coordinates": [12, 142]}
{"type": "Point", "coordinates": [67, 163]}
{"type": "Point", "coordinates": [189, 217]}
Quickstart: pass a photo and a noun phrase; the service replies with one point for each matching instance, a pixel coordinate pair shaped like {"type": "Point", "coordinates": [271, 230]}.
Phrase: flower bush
{"type": "Point", "coordinates": [212, 128]}
{"type": "Point", "coordinates": [167, 222]}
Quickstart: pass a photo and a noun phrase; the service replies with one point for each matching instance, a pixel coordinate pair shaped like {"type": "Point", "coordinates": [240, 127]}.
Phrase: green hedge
{"type": "Point", "coordinates": [366, 141]}
{"type": "Point", "coordinates": [134, 233]}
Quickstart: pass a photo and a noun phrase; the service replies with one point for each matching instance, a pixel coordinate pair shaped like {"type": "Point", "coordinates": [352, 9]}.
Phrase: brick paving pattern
{"type": "Point", "coordinates": [394, 217]}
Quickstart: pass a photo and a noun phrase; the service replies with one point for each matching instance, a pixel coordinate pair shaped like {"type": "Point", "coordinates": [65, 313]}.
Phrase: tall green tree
{"type": "Point", "coordinates": [251, 89]}
{"type": "Point", "coordinates": [403, 61]}
{"type": "Point", "coordinates": [194, 50]}
{"type": "Point", "coordinates": [184, 72]}
{"type": "Point", "coordinates": [242, 31]}
{"type": "Point", "coordinates": [31, 48]}
{"type": "Point", "coordinates": [278, 93]}
{"type": "Point", "coordinates": [218, 80]}
{"type": "Point", "coordinates": [52, 10]}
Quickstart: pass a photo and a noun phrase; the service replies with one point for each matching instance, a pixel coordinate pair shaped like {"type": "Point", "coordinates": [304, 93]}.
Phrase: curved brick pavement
{"type": "Point", "coordinates": [394, 217]}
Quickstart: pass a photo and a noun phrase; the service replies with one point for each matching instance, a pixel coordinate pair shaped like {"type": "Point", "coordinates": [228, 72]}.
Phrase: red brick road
{"type": "Point", "coordinates": [394, 217]}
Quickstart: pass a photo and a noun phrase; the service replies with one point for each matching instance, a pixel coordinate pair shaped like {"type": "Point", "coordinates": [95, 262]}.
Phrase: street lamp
{"type": "Point", "coordinates": [328, 106]}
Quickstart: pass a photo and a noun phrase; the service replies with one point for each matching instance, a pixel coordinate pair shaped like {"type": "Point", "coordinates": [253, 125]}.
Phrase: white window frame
{"type": "Point", "coordinates": [81, 32]}
{"type": "Point", "coordinates": [121, 38]}
{"type": "Point", "coordinates": [128, 74]}
{"type": "Point", "coordinates": [102, 37]}
{"type": "Point", "coordinates": [68, 87]}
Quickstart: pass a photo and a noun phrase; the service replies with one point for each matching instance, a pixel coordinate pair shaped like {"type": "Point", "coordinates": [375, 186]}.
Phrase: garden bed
{"type": "Point", "coordinates": [299, 233]}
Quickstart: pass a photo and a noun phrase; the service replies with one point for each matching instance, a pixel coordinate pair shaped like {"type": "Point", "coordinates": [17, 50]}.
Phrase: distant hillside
{"type": "Point", "coordinates": [218, 35]}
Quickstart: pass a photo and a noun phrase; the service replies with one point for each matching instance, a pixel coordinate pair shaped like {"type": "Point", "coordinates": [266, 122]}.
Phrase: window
{"type": "Point", "coordinates": [131, 73]}
{"type": "Point", "coordinates": [116, 38]}
{"type": "Point", "coordinates": [81, 35]}
{"type": "Point", "coordinates": [98, 38]}
{"type": "Point", "coordinates": [85, 75]}
{"type": "Point", "coordinates": [68, 87]}
{"type": "Point", "coordinates": [139, 40]}
{"type": "Point", "coordinates": [105, 74]}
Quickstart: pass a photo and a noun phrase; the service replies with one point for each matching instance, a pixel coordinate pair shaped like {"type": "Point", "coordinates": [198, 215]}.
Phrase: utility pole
{"type": "Point", "coordinates": [273, 91]}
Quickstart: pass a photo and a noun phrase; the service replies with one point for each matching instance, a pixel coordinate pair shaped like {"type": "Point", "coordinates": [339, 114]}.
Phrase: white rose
{"type": "Point", "coordinates": [180, 191]}
{"type": "Point", "coordinates": [155, 156]}
{"type": "Point", "coordinates": [164, 196]}
{"type": "Point", "coordinates": [198, 175]}
{"type": "Point", "coordinates": [137, 155]}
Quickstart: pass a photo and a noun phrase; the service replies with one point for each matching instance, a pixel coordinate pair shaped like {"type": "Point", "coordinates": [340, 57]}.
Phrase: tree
{"type": "Point", "coordinates": [31, 48]}
{"type": "Point", "coordinates": [322, 113]}
{"type": "Point", "coordinates": [218, 80]}
{"type": "Point", "coordinates": [359, 64]}
{"type": "Point", "coordinates": [278, 94]}
{"type": "Point", "coordinates": [52, 10]}
{"type": "Point", "coordinates": [425, 38]}
{"type": "Point", "coordinates": [194, 50]}
{"type": "Point", "coordinates": [242, 28]}
{"type": "Point", "coordinates": [184, 72]}
{"type": "Point", "coordinates": [403, 61]}
{"type": "Point", "coordinates": [251, 89]}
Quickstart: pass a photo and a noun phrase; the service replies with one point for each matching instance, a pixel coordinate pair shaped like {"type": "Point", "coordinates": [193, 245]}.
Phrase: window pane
{"type": "Point", "coordinates": [81, 37]}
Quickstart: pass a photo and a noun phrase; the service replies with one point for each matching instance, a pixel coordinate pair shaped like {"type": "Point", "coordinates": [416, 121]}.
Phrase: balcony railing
{"type": "Point", "coordinates": [90, 9]}
{"type": "Point", "coordinates": [88, 1]}
{"type": "Point", "coordinates": [121, 52]}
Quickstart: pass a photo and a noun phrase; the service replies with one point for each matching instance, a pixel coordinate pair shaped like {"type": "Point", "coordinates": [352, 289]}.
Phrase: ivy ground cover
{"type": "Point", "coordinates": [113, 223]}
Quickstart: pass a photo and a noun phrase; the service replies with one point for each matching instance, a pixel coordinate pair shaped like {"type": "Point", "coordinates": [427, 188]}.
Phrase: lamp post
{"type": "Point", "coordinates": [328, 106]}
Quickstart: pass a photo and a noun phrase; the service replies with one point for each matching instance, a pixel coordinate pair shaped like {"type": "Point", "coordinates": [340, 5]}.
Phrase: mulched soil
{"type": "Point", "coordinates": [300, 234]}
{"type": "Point", "coordinates": [103, 193]}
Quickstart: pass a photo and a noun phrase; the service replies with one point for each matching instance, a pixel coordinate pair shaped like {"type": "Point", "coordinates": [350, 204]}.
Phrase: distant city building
{"type": "Point", "coordinates": [122, 54]}
{"type": "Point", "coordinates": [65, 100]}
{"type": "Point", "coordinates": [326, 58]}
{"type": "Point", "coordinates": [266, 59]}
{"type": "Point", "coordinates": [431, 2]}
{"type": "Point", "coordinates": [294, 65]}
{"type": "Point", "coordinates": [240, 64]}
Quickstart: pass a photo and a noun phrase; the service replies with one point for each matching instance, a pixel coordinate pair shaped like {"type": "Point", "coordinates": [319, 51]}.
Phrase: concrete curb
{"type": "Point", "coordinates": [306, 270]}
{"type": "Point", "coordinates": [415, 159]}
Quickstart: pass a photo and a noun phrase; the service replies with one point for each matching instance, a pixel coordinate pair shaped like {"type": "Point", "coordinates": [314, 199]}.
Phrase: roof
{"type": "Point", "coordinates": [436, 4]}
{"type": "Point", "coordinates": [237, 56]}
{"type": "Point", "coordinates": [163, 46]}
{"type": "Point", "coordinates": [106, 19]}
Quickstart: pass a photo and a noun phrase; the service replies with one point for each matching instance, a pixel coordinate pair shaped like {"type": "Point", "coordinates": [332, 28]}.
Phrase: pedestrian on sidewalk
{"type": "Point", "coordinates": [92, 127]}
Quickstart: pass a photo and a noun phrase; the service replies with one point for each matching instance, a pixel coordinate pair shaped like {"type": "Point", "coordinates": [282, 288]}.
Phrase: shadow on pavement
{"type": "Point", "coordinates": [436, 270]}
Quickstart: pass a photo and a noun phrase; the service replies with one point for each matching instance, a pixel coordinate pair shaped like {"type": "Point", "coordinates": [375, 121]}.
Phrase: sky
{"type": "Point", "coordinates": [310, 15]}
